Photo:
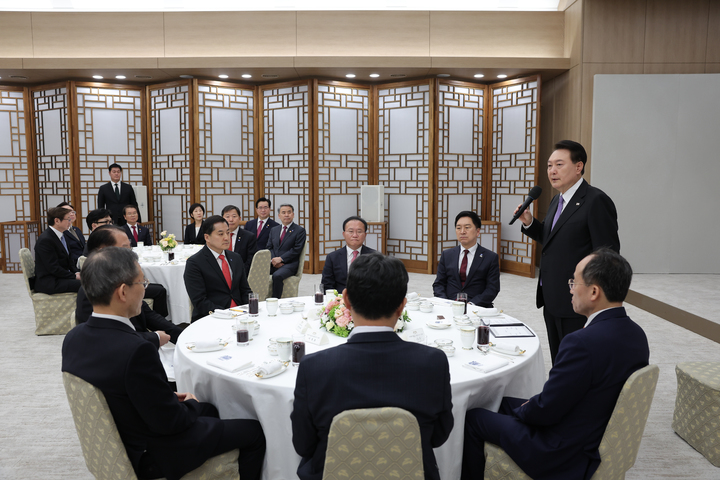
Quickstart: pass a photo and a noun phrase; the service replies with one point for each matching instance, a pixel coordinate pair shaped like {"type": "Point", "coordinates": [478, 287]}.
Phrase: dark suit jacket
{"type": "Point", "coordinates": [370, 370]}
{"type": "Point", "coordinates": [107, 199]}
{"type": "Point", "coordinates": [54, 271]}
{"type": "Point", "coordinates": [127, 369]}
{"type": "Point", "coordinates": [292, 245]}
{"type": "Point", "coordinates": [148, 319]}
{"type": "Point", "coordinates": [334, 274]}
{"type": "Point", "coordinates": [588, 222]}
{"type": "Point", "coordinates": [245, 245]}
{"type": "Point", "coordinates": [482, 281]}
{"type": "Point", "coordinates": [262, 240]}
{"type": "Point", "coordinates": [206, 285]}
{"type": "Point", "coordinates": [143, 235]}
{"type": "Point", "coordinates": [190, 237]}
{"type": "Point", "coordinates": [76, 246]}
{"type": "Point", "coordinates": [560, 429]}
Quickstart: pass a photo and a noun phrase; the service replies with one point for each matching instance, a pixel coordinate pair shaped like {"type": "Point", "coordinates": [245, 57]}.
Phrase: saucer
{"type": "Point", "coordinates": [438, 324]}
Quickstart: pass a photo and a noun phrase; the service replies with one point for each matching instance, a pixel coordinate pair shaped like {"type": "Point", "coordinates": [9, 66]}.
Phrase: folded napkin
{"type": "Point", "coordinates": [208, 344]}
{"type": "Point", "coordinates": [269, 369]}
{"type": "Point", "coordinates": [223, 313]}
{"type": "Point", "coordinates": [230, 363]}
{"type": "Point", "coordinates": [413, 296]}
{"type": "Point", "coordinates": [486, 365]}
{"type": "Point", "coordinates": [507, 348]}
{"type": "Point", "coordinates": [480, 311]}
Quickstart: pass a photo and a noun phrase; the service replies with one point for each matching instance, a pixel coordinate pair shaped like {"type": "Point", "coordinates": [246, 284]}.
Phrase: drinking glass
{"type": "Point", "coordinates": [253, 304]}
{"type": "Point", "coordinates": [298, 348]}
{"type": "Point", "coordinates": [462, 297]}
{"type": "Point", "coordinates": [242, 334]}
{"type": "Point", "coordinates": [483, 338]}
{"type": "Point", "coordinates": [318, 289]}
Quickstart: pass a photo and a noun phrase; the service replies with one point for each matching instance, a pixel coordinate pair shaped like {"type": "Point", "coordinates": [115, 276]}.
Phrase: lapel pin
{"type": "Point", "coordinates": [577, 204]}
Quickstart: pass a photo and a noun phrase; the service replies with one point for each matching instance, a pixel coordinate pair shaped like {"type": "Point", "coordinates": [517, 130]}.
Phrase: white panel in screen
{"type": "Point", "coordinates": [226, 125]}
{"type": "Point", "coordinates": [343, 131]}
{"type": "Point", "coordinates": [285, 131]}
{"type": "Point", "coordinates": [508, 204]}
{"type": "Point", "coordinates": [170, 132]}
{"type": "Point", "coordinates": [221, 201]}
{"type": "Point", "coordinates": [456, 204]}
{"type": "Point", "coordinates": [5, 136]}
{"type": "Point", "coordinates": [52, 134]}
{"type": "Point", "coordinates": [15, 246]}
{"type": "Point", "coordinates": [461, 131]}
{"type": "Point", "coordinates": [403, 130]}
{"type": "Point", "coordinates": [172, 214]}
{"type": "Point", "coordinates": [7, 207]}
{"type": "Point", "coordinates": [110, 131]}
{"type": "Point", "coordinates": [486, 240]}
{"type": "Point", "coordinates": [341, 207]}
{"type": "Point", "coordinates": [227, 174]}
{"type": "Point", "coordinates": [513, 129]}
{"type": "Point", "coordinates": [403, 213]}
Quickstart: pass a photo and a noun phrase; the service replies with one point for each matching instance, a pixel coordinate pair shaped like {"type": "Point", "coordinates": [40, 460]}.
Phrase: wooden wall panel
{"type": "Point", "coordinates": [673, 68]}
{"type": "Point", "coordinates": [614, 31]}
{"type": "Point", "coordinates": [713, 43]}
{"type": "Point", "coordinates": [574, 33]}
{"type": "Point", "coordinates": [676, 31]}
{"type": "Point", "coordinates": [16, 34]}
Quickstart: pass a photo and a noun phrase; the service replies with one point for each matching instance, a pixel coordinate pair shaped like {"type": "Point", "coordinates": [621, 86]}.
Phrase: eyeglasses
{"type": "Point", "coordinates": [105, 222]}
{"type": "Point", "coordinates": [144, 283]}
{"type": "Point", "coordinates": [572, 284]}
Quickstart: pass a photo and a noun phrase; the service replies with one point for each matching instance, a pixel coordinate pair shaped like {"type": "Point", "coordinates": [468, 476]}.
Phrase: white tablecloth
{"type": "Point", "coordinates": [242, 395]}
{"type": "Point", "coordinates": [170, 276]}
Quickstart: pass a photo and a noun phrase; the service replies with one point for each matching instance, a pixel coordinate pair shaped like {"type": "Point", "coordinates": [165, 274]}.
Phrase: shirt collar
{"type": "Point", "coordinates": [117, 318]}
{"type": "Point", "coordinates": [471, 250]}
{"type": "Point", "coordinates": [58, 233]}
{"type": "Point", "coordinates": [370, 329]}
{"type": "Point", "coordinates": [567, 196]}
{"type": "Point", "coordinates": [592, 316]}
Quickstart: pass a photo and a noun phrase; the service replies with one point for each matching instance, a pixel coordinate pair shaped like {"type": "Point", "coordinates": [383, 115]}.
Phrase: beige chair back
{"type": "Point", "coordinates": [291, 284]}
{"type": "Point", "coordinates": [257, 276]}
{"type": "Point", "coordinates": [27, 264]}
{"type": "Point", "coordinates": [81, 261]}
{"type": "Point", "coordinates": [374, 443]}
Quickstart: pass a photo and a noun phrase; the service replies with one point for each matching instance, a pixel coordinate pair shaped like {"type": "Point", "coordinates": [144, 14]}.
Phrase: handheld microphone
{"type": "Point", "coordinates": [533, 195]}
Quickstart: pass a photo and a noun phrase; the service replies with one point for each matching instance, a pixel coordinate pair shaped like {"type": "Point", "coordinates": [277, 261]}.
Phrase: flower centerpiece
{"type": "Point", "coordinates": [167, 242]}
{"type": "Point", "coordinates": [335, 317]}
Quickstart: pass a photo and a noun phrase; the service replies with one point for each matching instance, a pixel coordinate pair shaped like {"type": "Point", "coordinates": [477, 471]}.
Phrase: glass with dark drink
{"type": "Point", "coordinates": [298, 349]}
{"type": "Point", "coordinates": [319, 296]}
{"type": "Point", "coordinates": [462, 297]}
{"type": "Point", "coordinates": [253, 304]}
{"type": "Point", "coordinates": [483, 338]}
{"type": "Point", "coordinates": [243, 336]}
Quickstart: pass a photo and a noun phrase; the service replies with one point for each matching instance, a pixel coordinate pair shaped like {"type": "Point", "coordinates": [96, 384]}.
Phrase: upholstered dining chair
{"type": "Point", "coordinates": [374, 443]}
{"type": "Point", "coordinates": [54, 314]}
{"type": "Point", "coordinates": [620, 442]}
{"type": "Point", "coordinates": [257, 276]}
{"type": "Point", "coordinates": [291, 284]}
{"type": "Point", "coordinates": [102, 447]}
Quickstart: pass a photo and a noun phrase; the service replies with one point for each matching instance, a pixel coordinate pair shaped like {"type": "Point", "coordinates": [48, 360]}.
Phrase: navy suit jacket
{"type": "Point", "coordinates": [54, 270]}
{"type": "Point", "coordinates": [143, 235]}
{"type": "Point", "coordinates": [206, 285]}
{"type": "Point", "coordinates": [75, 245]}
{"type": "Point", "coordinates": [588, 222]}
{"type": "Point", "coordinates": [108, 199]}
{"type": "Point", "coordinates": [334, 274]}
{"type": "Point", "coordinates": [126, 368]}
{"type": "Point", "coordinates": [292, 245]}
{"type": "Point", "coordinates": [262, 240]}
{"type": "Point", "coordinates": [245, 245]}
{"type": "Point", "coordinates": [560, 429]}
{"type": "Point", "coordinates": [482, 280]}
{"type": "Point", "coordinates": [190, 237]}
{"type": "Point", "coordinates": [370, 370]}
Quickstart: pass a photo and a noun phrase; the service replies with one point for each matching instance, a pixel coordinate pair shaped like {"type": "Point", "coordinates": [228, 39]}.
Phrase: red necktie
{"type": "Point", "coordinates": [135, 233]}
{"type": "Point", "coordinates": [463, 268]}
{"type": "Point", "coordinates": [226, 274]}
{"type": "Point", "coordinates": [232, 244]}
{"type": "Point", "coordinates": [259, 229]}
{"type": "Point", "coordinates": [283, 234]}
{"type": "Point", "coordinates": [355, 254]}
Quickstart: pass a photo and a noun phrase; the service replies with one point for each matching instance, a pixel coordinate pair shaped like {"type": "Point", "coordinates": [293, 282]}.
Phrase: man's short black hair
{"type": "Point", "coordinates": [354, 217]}
{"type": "Point", "coordinates": [194, 206]}
{"type": "Point", "coordinates": [231, 207]}
{"type": "Point", "coordinates": [209, 224]}
{"type": "Point", "coordinates": [114, 165]}
{"type": "Point", "coordinates": [125, 208]}
{"type": "Point", "coordinates": [56, 212]}
{"type": "Point", "coordinates": [96, 215]}
{"type": "Point", "coordinates": [376, 285]}
{"type": "Point", "coordinates": [65, 204]}
{"type": "Point", "coordinates": [577, 152]}
{"type": "Point", "coordinates": [610, 271]}
{"type": "Point", "coordinates": [263, 199]}
{"type": "Point", "coordinates": [103, 236]}
{"type": "Point", "coordinates": [473, 216]}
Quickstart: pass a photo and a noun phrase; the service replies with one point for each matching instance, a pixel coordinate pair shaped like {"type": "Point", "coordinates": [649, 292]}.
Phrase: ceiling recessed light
{"type": "Point", "coordinates": [443, 75]}
{"type": "Point", "coordinates": [120, 77]}
{"type": "Point", "coordinates": [350, 75]}
{"type": "Point", "coordinates": [223, 76]}
{"type": "Point", "coordinates": [186, 76]}
{"type": "Point", "coordinates": [98, 77]}
{"type": "Point", "coordinates": [246, 75]}
{"type": "Point", "coordinates": [478, 75]}
{"type": "Point", "coordinates": [374, 75]}
{"type": "Point", "coordinates": [502, 75]}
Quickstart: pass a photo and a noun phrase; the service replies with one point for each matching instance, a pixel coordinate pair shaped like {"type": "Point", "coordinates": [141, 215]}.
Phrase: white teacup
{"type": "Point", "coordinates": [458, 308]}
{"type": "Point", "coordinates": [467, 337]}
{"type": "Point", "coordinates": [272, 306]}
{"type": "Point", "coordinates": [141, 244]}
{"type": "Point", "coordinates": [284, 348]}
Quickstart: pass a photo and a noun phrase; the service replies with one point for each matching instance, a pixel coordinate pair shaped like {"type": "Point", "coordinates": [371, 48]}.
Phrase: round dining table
{"type": "Point", "coordinates": [270, 400]}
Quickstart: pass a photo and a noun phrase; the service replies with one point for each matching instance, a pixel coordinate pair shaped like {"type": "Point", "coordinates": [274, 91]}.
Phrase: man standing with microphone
{"type": "Point", "coordinates": [580, 219]}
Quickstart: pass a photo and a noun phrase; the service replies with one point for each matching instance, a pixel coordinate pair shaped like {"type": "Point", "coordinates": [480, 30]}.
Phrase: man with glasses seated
{"type": "Point", "coordinates": [337, 263]}
{"type": "Point", "coordinates": [73, 235]}
{"type": "Point", "coordinates": [54, 270]}
{"type": "Point", "coordinates": [95, 219]}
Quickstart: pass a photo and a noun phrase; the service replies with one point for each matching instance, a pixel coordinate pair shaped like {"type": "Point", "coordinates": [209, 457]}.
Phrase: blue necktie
{"type": "Point", "coordinates": [62, 240]}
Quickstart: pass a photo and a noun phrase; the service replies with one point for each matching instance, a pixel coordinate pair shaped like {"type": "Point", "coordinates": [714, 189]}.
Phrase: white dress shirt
{"type": "Point", "coordinates": [370, 329]}
{"type": "Point", "coordinates": [350, 255]}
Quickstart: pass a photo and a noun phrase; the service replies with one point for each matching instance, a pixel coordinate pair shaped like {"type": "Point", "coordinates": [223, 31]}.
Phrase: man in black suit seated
{"type": "Point", "coordinates": [165, 434]}
{"type": "Point", "coordinates": [73, 236]}
{"type": "Point", "coordinates": [286, 243]}
{"type": "Point", "coordinates": [337, 263]}
{"type": "Point", "coordinates": [242, 242]}
{"type": "Point", "coordinates": [375, 368]}
{"type": "Point", "coordinates": [556, 434]}
{"type": "Point", "coordinates": [115, 194]}
{"type": "Point", "coordinates": [261, 225]}
{"type": "Point", "coordinates": [469, 267]}
{"type": "Point", "coordinates": [97, 218]}
{"type": "Point", "coordinates": [162, 331]}
{"type": "Point", "coordinates": [54, 271]}
{"type": "Point", "coordinates": [215, 276]}
{"type": "Point", "coordinates": [134, 231]}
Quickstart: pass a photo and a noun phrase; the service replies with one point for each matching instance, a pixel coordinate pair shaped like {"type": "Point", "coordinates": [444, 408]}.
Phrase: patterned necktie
{"type": "Point", "coordinates": [557, 213]}
{"type": "Point", "coordinates": [62, 240]}
{"type": "Point", "coordinates": [355, 255]}
{"type": "Point", "coordinates": [117, 191]}
{"type": "Point", "coordinates": [463, 268]}
{"type": "Point", "coordinates": [232, 244]}
{"type": "Point", "coordinates": [283, 235]}
{"type": "Point", "coordinates": [135, 233]}
{"type": "Point", "coordinates": [259, 229]}
{"type": "Point", "coordinates": [226, 274]}
{"type": "Point", "coordinates": [71, 231]}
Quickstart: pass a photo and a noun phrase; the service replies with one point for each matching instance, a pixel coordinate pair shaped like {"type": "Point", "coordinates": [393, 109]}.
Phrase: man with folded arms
{"type": "Point", "coordinates": [134, 231]}
{"type": "Point", "coordinates": [54, 271]}
{"type": "Point", "coordinates": [165, 434]}
{"type": "Point", "coordinates": [261, 225]}
{"type": "Point", "coordinates": [556, 434]}
{"type": "Point", "coordinates": [334, 274]}
{"type": "Point", "coordinates": [161, 331]}
{"type": "Point", "coordinates": [215, 276]}
{"type": "Point", "coordinates": [469, 267]}
{"type": "Point", "coordinates": [375, 368]}
{"type": "Point", "coordinates": [286, 244]}
{"type": "Point", "coordinates": [242, 242]}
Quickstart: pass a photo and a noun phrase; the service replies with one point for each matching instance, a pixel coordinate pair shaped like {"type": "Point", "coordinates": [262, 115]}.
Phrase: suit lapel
{"type": "Point", "coordinates": [454, 259]}
{"type": "Point", "coordinates": [214, 265]}
{"type": "Point", "coordinates": [343, 264]}
{"type": "Point", "coordinates": [477, 260]}
{"type": "Point", "coordinates": [573, 206]}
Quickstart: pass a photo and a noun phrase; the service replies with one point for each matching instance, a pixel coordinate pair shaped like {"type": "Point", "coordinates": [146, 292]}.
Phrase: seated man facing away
{"type": "Point", "coordinates": [334, 274]}
{"type": "Point", "coordinates": [54, 271]}
{"type": "Point", "coordinates": [375, 368]}
{"type": "Point", "coordinates": [215, 277]}
{"type": "Point", "coordinates": [468, 268]}
{"type": "Point", "coordinates": [162, 330]}
{"type": "Point", "coordinates": [556, 434]}
{"type": "Point", "coordinates": [165, 434]}
{"type": "Point", "coordinates": [286, 244]}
